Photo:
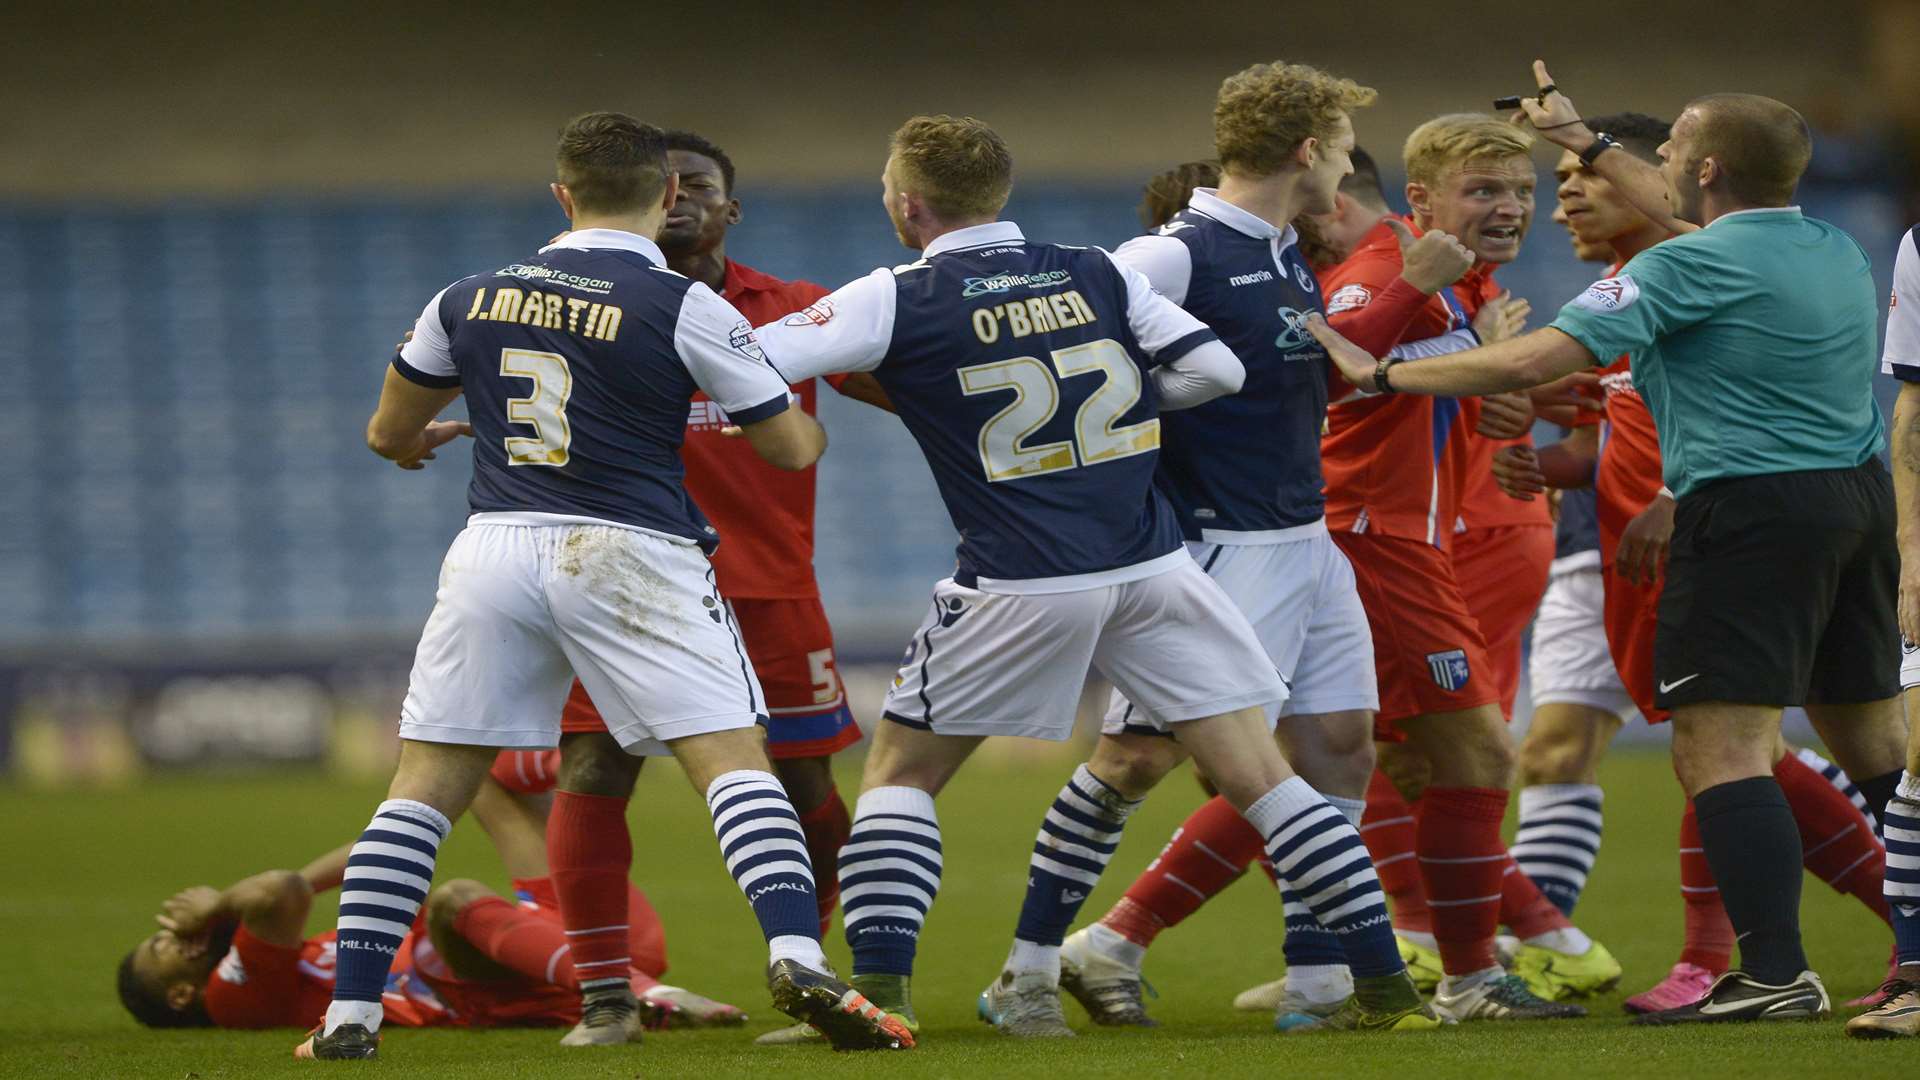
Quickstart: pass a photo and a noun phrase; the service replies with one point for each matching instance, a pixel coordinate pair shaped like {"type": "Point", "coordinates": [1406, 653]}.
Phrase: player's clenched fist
{"type": "Point", "coordinates": [1431, 261]}
{"type": "Point", "coordinates": [1500, 318]}
{"type": "Point", "coordinates": [1517, 470]}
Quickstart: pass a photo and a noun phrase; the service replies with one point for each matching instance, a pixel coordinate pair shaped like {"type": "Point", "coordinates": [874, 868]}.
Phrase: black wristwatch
{"type": "Point", "coordinates": [1380, 383]}
{"type": "Point", "coordinates": [1602, 142]}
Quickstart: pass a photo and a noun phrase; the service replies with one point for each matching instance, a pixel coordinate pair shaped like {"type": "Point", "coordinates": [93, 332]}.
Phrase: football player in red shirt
{"type": "Point", "coordinates": [764, 567]}
{"type": "Point", "coordinates": [237, 958]}
{"type": "Point", "coordinates": [1396, 473]}
{"type": "Point", "coordinates": [1635, 515]}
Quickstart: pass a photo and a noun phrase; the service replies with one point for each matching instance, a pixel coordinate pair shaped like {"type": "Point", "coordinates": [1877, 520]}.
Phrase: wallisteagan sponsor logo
{"type": "Point", "coordinates": [555, 277]}
{"type": "Point", "coordinates": [1005, 283]}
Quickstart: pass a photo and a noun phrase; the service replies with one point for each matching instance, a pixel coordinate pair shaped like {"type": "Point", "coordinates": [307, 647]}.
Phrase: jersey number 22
{"type": "Point", "coordinates": [1004, 451]}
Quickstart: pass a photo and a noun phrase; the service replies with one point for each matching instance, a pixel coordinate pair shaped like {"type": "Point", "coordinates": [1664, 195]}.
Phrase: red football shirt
{"type": "Point", "coordinates": [1396, 464]}
{"type": "Point", "coordinates": [1629, 473]}
{"type": "Point", "coordinates": [261, 985]}
{"type": "Point", "coordinates": [764, 515]}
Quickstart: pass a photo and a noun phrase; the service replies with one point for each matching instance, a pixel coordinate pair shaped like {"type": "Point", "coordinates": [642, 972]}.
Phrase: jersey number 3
{"type": "Point", "coordinates": [544, 410]}
{"type": "Point", "coordinates": [1004, 451]}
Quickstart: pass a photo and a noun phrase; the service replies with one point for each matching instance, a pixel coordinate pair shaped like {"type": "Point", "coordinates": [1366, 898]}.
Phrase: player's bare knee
{"type": "Point", "coordinates": [594, 764]}
{"type": "Point", "coordinates": [1133, 764]}
{"type": "Point", "coordinates": [1555, 757]}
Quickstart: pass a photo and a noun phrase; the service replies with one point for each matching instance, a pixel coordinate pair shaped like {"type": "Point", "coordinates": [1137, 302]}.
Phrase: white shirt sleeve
{"type": "Point", "coordinates": [1903, 317]}
{"type": "Point", "coordinates": [430, 353]}
{"type": "Point", "coordinates": [1451, 342]}
{"type": "Point", "coordinates": [1158, 323]}
{"type": "Point", "coordinates": [718, 347]}
{"type": "Point", "coordinates": [848, 329]}
{"type": "Point", "coordinates": [1166, 262]}
{"type": "Point", "coordinates": [1208, 371]}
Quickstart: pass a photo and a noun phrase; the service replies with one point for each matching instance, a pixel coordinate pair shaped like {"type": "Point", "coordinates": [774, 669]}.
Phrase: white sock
{"type": "Point", "coordinates": [1351, 809]}
{"type": "Point", "coordinates": [1571, 940]}
{"type": "Point", "coordinates": [794, 947]}
{"type": "Point", "coordinates": [1115, 946]}
{"type": "Point", "coordinates": [365, 1013]}
{"type": "Point", "coordinates": [1322, 984]}
{"type": "Point", "coordinates": [1027, 958]}
{"type": "Point", "coordinates": [1422, 938]}
{"type": "Point", "coordinates": [1453, 984]}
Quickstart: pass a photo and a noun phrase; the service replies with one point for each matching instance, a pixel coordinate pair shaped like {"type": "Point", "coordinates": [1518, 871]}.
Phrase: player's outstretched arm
{"type": "Point", "coordinates": [787, 440]}
{"type": "Point", "coordinates": [403, 429]}
{"type": "Point", "coordinates": [1554, 116]}
{"type": "Point", "coordinates": [272, 906]}
{"type": "Point", "coordinates": [1532, 360]}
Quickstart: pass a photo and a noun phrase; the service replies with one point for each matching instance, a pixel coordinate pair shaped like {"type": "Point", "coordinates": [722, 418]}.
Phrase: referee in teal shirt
{"type": "Point", "coordinates": [1753, 341]}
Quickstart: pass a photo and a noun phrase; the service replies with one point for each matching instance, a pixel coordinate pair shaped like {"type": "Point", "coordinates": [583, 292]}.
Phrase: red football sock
{"type": "Point", "coordinates": [1709, 940]}
{"type": "Point", "coordinates": [1209, 850]}
{"type": "Point", "coordinates": [827, 827]}
{"type": "Point", "coordinates": [1387, 828]}
{"type": "Point", "coordinates": [1461, 863]}
{"type": "Point", "coordinates": [1523, 908]}
{"type": "Point", "coordinates": [516, 939]}
{"type": "Point", "coordinates": [591, 854]}
{"type": "Point", "coordinates": [1837, 844]}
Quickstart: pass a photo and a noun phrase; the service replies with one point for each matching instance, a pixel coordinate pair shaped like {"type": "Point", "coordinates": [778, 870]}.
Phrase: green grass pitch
{"type": "Point", "coordinates": [84, 872]}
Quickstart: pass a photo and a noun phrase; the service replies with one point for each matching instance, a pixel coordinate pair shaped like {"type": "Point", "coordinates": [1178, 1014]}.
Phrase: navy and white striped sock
{"type": "Point", "coordinates": [1319, 854]}
{"type": "Point", "coordinates": [1077, 839]}
{"type": "Point", "coordinates": [1316, 960]}
{"type": "Point", "coordinates": [766, 852]}
{"type": "Point", "coordinates": [1558, 839]}
{"type": "Point", "coordinates": [889, 875]}
{"type": "Point", "coordinates": [1836, 776]}
{"type": "Point", "coordinates": [389, 871]}
{"type": "Point", "coordinates": [1900, 827]}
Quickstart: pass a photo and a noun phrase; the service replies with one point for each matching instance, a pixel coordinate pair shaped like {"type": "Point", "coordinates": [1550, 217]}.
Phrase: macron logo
{"type": "Point", "coordinates": [1254, 278]}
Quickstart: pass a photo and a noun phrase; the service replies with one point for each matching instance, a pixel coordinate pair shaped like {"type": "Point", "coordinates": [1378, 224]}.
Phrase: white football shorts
{"type": "Point", "coordinates": [522, 609]}
{"type": "Point", "coordinates": [1571, 663]}
{"type": "Point", "coordinates": [1300, 597]}
{"type": "Point", "coordinates": [998, 664]}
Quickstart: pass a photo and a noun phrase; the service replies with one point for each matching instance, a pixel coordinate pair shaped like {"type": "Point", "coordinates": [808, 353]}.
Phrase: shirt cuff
{"type": "Point", "coordinates": [1904, 372]}
{"type": "Point", "coordinates": [1185, 345]}
{"type": "Point", "coordinates": [415, 375]}
{"type": "Point", "coordinates": [764, 411]}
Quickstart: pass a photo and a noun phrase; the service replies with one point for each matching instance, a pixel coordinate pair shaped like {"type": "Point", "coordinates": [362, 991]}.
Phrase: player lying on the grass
{"type": "Point", "coordinates": [1069, 559]}
{"type": "Point", "coordinates": [1769, 440]}
{"type": "Point", "coordinates": [240, 958]}
{"type": "Point", "coordinates": [1634, 519]}
{"type": "Point", "coordinates": [1242, 474]}
{"type": "Point", "coordinates": [585, 557]}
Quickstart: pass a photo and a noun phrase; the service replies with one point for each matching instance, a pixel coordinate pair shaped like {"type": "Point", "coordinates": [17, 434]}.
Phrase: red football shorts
{"type": "Point", "coordinates": [1631, 613]}
{"type": "Point", "coordinates": [791, 647]}
{"type": "Point", "coordinates": [1427, 651]}
{"type": "Point", "coordinates": [1502, 572]}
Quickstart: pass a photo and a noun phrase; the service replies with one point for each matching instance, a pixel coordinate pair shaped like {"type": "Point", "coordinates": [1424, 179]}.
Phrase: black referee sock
{"type": "Point", "coordinates": [1753, 846]}
{"type": "Point", "coordinates": [1878, 791]}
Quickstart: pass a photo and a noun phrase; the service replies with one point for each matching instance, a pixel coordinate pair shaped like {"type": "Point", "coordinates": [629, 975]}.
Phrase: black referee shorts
{"type": "Point", "coordinates": [1780, 591]}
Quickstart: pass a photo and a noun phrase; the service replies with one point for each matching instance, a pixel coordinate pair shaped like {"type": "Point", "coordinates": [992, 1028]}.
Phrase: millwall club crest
{"type": "Point", "coordinates": [1449, 669]}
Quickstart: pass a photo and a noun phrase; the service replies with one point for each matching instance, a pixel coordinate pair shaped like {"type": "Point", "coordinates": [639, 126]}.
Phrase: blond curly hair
{"type": "Point", "coordinates": [1263, 113]}
{"type": "Point", "coordinates": [1446, 143]}
{"type": "Point", "coordinates": [957, 164]}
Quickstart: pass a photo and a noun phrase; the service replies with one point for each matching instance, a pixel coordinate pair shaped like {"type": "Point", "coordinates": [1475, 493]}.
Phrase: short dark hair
{"type": "Point", "coordinates": [611, 163]}
{"type": "Point", "coordinates": [1363, 185]}
{"type": "Point", "coordinates": [151, 1008]}
{"type": "Point", "coordinates": [1639, 133]}
{"type": "Point", "coordinates": [693, 143]}
{"type": "Point", "coordinates": [1764, 145]}
{"type": "Point", "coordinates": [958, 165]}
{"type": "Point", "coordinates": [1167, 194]}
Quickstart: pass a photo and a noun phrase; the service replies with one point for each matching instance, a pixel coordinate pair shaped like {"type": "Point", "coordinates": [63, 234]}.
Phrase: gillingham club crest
{"type": "Point", "coordinates": [1449, 669]}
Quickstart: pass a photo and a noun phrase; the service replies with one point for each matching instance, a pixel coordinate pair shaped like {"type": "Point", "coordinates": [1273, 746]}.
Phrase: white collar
{"type": "Point", "coordinates": [1208, 201]}
{"type": "Point", "coordinates": [993, 232]}
{"type": "Point", "coordinates": [1754, 210]}
{"type": "Point", "coordinates": [583, 239]}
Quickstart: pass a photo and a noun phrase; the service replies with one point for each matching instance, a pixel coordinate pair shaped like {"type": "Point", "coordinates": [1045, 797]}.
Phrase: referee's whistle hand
{"type": "Point", "coordinates": [1552, 114]}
